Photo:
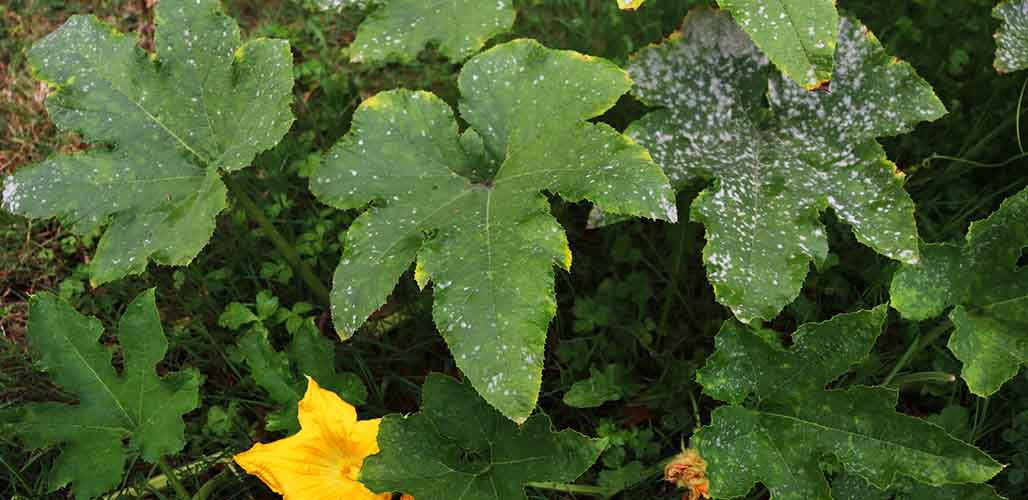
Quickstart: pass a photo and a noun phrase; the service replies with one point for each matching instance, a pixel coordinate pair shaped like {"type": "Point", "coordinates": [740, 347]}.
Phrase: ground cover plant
{"type": "Point", "coordinates": [513, 249]}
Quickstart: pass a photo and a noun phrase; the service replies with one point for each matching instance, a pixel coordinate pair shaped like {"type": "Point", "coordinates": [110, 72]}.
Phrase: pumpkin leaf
{"type": "Point", "coordinates": [400, 29]}
{"type": "Point", "coordinates": [852, 487]}
{"type": "Point", "coordinates": [1012, 37]}
{"type": "Point", "coordinates": [162, 128]}
{"type": "Point", "coordinates": [987, 289]}
{"type": "Point", "coordinates": [780, 419]}
{"type": "Point", "coordinates": [470, 207]}
{"type": "Point", "coordinates": [136, 406]}
{"type": "Point", "coordinates": [778, 154]}
{"type": "Point", "coordinates": [435, 455]}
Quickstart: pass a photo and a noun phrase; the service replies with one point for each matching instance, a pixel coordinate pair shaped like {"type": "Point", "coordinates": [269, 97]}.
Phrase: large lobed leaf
{"type": "Point", "coordinates": [987, 289]}
{"type": "Point", "coordinates": [400, 29]}
{"type": "Point", "coordinates": [779, 155]}
{"type": "Point", "coordinates": [436, 455]}
{"type": "Point", "coordinates": [470, 207]}
{"type": "Point", "coordinates": [162, 128]}
{"type": "Point", "coordinates": [1012, 37]}
{"type": "Point", "coordinates": [781, 420]}
{"type": "Point", "coordinates": [136, 406]}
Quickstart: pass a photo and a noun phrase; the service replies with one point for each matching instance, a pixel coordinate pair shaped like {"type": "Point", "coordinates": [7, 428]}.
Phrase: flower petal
{"type": "Point", "coordinates": [323, 411]}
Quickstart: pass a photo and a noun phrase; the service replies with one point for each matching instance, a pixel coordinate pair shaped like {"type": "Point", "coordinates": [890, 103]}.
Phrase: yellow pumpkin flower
{"type": "Point", "coordinates": [323, 460]}
{"type": "Point", "coordinates": [629, 4]}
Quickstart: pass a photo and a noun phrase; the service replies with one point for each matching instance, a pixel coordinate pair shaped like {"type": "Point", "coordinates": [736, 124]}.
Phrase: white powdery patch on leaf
{"type": "Point", "coordinates": [774, 176]}
{"type": "Point", "coordinates": [11, 197]}
{"type": "Point", "coordinates": [338, 5]}
{"type": "Point", "coordinates": [1012, 37]}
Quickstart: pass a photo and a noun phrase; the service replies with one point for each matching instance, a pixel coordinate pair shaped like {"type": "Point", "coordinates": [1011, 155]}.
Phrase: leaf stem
{"type": "Point", "coordinates": [173, 480]}
{"type": "Point", "coordinates": [915, 346]}
{"type": "Point", "coordinates": [924, 378]}
{"type": "Point", "coordinates": [584, 489]}
{"type": "Point", "coordinates": [212, 485]}
{"type": "Point", "coordinates": [284, 247]}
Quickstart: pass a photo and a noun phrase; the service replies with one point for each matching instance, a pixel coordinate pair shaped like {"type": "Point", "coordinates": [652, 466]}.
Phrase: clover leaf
{"type": "Point", "coordinates": [134, 412]}
{"type": "Point", "coordinates": [779, 155]}
{"type": "Point", "coordinates": [400, 29]}
{"type": "Point", "coordinates": [987, 289]}
{"type": "Point", "coordinates": [1012, 37]}
{"type": "Point", "coordinates": [436, 455]}
{"type": "Point", "coordinates": [162, 127]}
{"type": "Point", "coordinates": [470, 207]}
{"type": "Point", "coordinates": [781, 420]}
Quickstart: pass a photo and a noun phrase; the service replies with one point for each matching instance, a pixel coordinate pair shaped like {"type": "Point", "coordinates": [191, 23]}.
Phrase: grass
{"type": "Point", "coordinates": [637, 296]}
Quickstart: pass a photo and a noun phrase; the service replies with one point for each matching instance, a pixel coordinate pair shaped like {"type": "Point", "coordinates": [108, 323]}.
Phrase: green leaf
{"type": "Point", "coordinates": [781, 420]}
{"type": "Point", "coordinates": [135, 411]}
{"type": "Point", "coordinates": [981, 279]}
{"type": "Point", "coordinates": [780, 155]}
{"type": "Point", "coordinates": [470, 208]}
{"type": "Point", "coordinates": [852, 487]}
{"type": "Point", "coordinates": [797, 35]}
{"type": "Point", "coordinates": [162, 128]}
{"type": "Point", "coordinates": [281, 374]}
{"type": "Point", "coordinates": [436, 455]}
{"type": "Point", "coordinates": [399, 29]}
{"type": "Point", "coordinates": [611, 384]}
{"type": "Point", "coordinates": [236, 315]}
{"type": "Point", "coordinates": [1012, 37]}
{"type": "Point", "coordinates": [622, 478]}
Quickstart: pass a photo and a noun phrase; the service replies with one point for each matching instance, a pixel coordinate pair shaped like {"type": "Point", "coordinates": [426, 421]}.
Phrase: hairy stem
{"type": "Point", "coordinates": [583, 489]}
{"type": "Point", "coordinates": [284, 247]}
{"type": "Point", "coordinates": [173, 480]}
{"type": "Point", "coordinates": [212, 485]}
{"type": "Point", "coordinates": [919, 343]}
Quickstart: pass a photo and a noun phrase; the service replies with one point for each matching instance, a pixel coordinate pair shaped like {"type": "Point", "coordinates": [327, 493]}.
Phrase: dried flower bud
{"type": "Point", "coordinates": [688, 470]}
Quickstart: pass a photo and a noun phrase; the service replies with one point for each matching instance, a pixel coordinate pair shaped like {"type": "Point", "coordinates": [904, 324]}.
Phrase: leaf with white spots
{"type": "Point", "coordinates": [117, 414]}
{"type": "Point", "coordinates": [162, 128]}
{"type": "Point", "coordinates": [779, 155]}
{"type": "Point", "coordinates": [797, 35]}
{"type": "Point", "coordinates": [400, 29]}
{"type": "Point", "coordinates": [987, 289]}
{"type": "Point", "coordinates": [340, 5]}
{"type": "Point", "coordinates": [853, 487]}
{"type": "Point", "coordinates": [436, 455]}
{"type": "Point", "coordinates": [470, 207]}
{"type": "Point", "coordinates": [781, 420]}
{"type": "Point", "coordinates": [1012, 37]}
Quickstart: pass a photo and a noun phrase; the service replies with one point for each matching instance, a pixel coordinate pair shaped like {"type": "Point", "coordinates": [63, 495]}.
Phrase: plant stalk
{"type": "Point", "coordinates": [924, 378]}
{"type": "Point", "coordinates": [284, 247]}
{"type": "Point", "coordinates": [173, 480]}
{"type": "Point", "coordinates": [212, 485]}
{"type": "Point", "coordinates": [583, 489]}
{"type": "Point", "coordinates": [920, 342]}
